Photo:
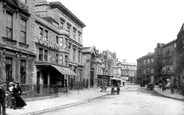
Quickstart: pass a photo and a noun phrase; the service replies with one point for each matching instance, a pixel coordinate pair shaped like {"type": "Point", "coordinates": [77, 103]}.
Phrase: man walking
{"type": "Point", "coordinates": [2, 100]}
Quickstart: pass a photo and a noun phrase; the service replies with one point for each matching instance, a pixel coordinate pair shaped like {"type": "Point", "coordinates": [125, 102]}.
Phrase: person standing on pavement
{"type": "Point", "coordinates": [17, 93]}
{"type": "Point", "coordinates": [2, 99]}
{"type": "Point", "coordinates": [9, 98]}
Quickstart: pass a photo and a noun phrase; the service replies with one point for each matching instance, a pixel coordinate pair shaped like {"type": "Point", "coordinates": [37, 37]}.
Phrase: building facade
{"type": "Point", "coordinates": [16, 41]}
{"type": "Point", "coordinates": [66, 20]}
{"type": "Point", "coordinates": [90, 66]}
{"type": "Point", "coordinates": [168, 60]}
{"type": "Point", "coordinates": [179, 62]}
{"type": "Point", "coordinates": [128, 71]}
{"type": "Point", "coordinates": [145, 69]}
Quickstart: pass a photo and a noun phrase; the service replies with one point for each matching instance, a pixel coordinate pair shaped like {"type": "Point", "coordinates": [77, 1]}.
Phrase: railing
{"type": "Point", "coordinates": [29, 91]}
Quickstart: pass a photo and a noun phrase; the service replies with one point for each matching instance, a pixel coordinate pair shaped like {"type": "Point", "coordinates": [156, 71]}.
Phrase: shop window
{"type": "Point", "coordinates": [40, 54]}
{"type": "Point", "coordinates": [23, 31]}
{"type": "Point", "coordinates": [46, 55]}
{"type": "Point", "coordinates": [9, 65]}
{"type": "Point", "coordinates": [23, 71]}
{"type": "Point", "coordinates": [9, 25]}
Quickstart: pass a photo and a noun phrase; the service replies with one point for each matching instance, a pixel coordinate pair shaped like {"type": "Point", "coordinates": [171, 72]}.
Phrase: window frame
{"type": "Point", "coordinates": [23, 72]}
{"type": "Point", "coordinates": [23, 40]}
{"type": "Point", "coordinates": [9, 27]}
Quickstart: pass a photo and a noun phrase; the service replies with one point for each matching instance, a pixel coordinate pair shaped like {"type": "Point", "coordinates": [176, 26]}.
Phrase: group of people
{"type": "Point", "coordinates": [11, 98]}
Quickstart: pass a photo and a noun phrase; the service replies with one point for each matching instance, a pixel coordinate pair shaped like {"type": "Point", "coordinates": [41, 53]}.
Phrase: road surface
{"type": "Point", "coordinates": [132, 101]}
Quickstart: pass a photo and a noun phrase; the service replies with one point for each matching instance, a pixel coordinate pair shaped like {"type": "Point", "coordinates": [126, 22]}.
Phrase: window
{"type": "Point", "coordinates": [152, 70]}
{"type": "Point", "coordinates": [23, 1]}
{"type": "Point", "coordinates": [74, 54]}
{"type": "Point", "coordinates": [9, 25]}
{"type": "Point", "coordinates": [74, 33]}
{"type": "Point", "coordinates": [57, 58]}
{"type": "Point", "coordinates": [79, 56]}
{"type": "Point", "coordinates": [61, 59]}
{"type": "Point", "coordinates": [40, 54]}
{"type": "Point", "coordinates": [144, 62]}
{"type": "Point", "coordinates": [66, 59]}
{"type": "Point", "coordinates": [23, 31]}
{"type": "Point", "coordinates": [57, 39]}
{"type": "Point", "coordinates": [61, 41]}
{"type": "Point", "coordinates": [46, 34]}
{"type": "Point", "coordinates": [152, 60]}
{"type": "Point", "coordinates": [62, 21]}
{"type": "Point", "coordinates": [167, 51]}
{"type": "Point", "coordinates": [68, 27]}
{"type": "Point", "coordinates": [79, 36]}
{"type": "Point", "coordinates": [46, 55]}
{"type": "Point", "coordinates": [23, 71]}
{"type": "Point", "coordinates": [41, 32]}
{"type": "Point", "coordinates": [66, 42]}
{"type": "Point", "coordinates": [9, 68]}
{"type": "Point", "coordinates": [148, 61]}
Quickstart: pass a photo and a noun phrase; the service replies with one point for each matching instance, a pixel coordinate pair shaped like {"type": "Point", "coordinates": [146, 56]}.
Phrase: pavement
{"type": "Point", "coordinates": [64, 100]}
{"type": "Point", "coordinates": [167, 93]}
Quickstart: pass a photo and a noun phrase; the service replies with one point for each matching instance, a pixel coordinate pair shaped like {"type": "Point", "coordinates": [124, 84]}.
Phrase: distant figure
{"type": "Point", "coordinates": [123, 84]}
{"type": "Point", "coordinates": [2, 100]}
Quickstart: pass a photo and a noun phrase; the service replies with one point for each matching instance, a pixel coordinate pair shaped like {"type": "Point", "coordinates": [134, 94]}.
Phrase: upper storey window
{"type": "Point", "coordinates": [74, 33]}
{"type": "Point", "coordinates": [62, 21]}
{"type": "Point", "coordinates": [9, 25]}
{"type": "Point", "coordinates": [23, 31]}
{"type": "Point", "coordinates": [79, 36]}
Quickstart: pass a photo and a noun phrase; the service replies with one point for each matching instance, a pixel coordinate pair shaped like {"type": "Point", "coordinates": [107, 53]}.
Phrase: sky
{"type": "Point", "coordinates": [131, 28]}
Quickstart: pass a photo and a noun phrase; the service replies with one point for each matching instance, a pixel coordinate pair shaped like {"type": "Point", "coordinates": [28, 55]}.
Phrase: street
{"type": "Point", "coordinates": [131, 101]}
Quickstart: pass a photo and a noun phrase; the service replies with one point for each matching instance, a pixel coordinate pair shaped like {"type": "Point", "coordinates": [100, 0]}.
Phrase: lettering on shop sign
{"type": "Point", "coordinates": [48, 43]}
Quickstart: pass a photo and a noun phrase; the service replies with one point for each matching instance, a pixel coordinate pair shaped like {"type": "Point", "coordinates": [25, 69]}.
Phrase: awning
{"type": "Point", "coordinates": [59, 69]}
{"type": "Point", "coordinates": [69, 72]}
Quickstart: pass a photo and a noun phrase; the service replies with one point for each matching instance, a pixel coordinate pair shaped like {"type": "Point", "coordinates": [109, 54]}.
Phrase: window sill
{"type": "Point", "coordinates": [9, 41]}
{"type": "Point", "coordinates": [23, 45]}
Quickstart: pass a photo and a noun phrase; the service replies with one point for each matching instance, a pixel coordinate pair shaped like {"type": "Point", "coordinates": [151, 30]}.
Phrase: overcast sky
{"type": "Point", "coordinates": [131, 28]}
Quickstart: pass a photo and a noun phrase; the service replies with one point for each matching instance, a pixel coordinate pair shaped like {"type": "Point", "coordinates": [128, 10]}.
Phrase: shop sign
{"type": "Point", "coordinates": [48, 43]}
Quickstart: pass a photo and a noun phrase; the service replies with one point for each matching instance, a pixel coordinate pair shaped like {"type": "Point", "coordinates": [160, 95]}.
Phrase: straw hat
{"type": "Point", "coordinates": [11, 83]}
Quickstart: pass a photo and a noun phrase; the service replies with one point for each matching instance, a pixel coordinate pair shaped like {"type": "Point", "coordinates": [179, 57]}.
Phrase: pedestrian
{"type": "Point", "coordinates": [19, 102]}
{"type": "Point", "coordinates": [118, 88]}
{"type": "Point", "coordinates": [2, 99]}
{"type": "Point", "coordinates": [123, 84]}
{"type": "Point", "coordinates": [9, 98]}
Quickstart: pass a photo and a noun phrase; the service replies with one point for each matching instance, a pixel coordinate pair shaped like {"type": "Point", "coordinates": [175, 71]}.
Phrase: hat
{"type": "Point", "coordinates": [11, 83]}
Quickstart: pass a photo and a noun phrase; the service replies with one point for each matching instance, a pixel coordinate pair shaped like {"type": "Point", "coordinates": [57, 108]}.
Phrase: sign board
{"type": "Point", "coordinates": [42, 40]}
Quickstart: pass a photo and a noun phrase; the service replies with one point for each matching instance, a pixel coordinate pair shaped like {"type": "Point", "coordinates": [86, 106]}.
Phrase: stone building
{"type": "Point", "coordinates": [90, 66]}
{"type": "Point", "coordinates": [66, 20]}
{"type": "Point", "coordinates": [52, 52]}
{"type": "Point", "coordinates": [168, 60]}
{"type": "Point", "coordinates": [17, 41]}
{"type": "Point", "coordinates": [145, 69]}
{"type": "Point", "coordinates": [128, 71]}
{"type": "Point", "coordinates": [179, 61]}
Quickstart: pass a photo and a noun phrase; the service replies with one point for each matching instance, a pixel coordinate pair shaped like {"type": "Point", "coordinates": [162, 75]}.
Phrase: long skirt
{"type": "Point", "coordinates": [19, 102]}
{"type": "Point", "coordinates": [9, 103]}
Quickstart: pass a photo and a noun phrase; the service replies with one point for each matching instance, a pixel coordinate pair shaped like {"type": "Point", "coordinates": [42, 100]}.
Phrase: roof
{"type": "Point", "coordinates": [169, 43]}
{"type": "Point", "coordinates": [67, 12]}
{"type": "Point", "coordinates": [147, 55]}
{"type": "Point", "coordinates": [91, 49]}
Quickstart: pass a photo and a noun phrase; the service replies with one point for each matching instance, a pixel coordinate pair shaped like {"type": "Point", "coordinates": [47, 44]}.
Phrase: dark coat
{"type": "Point", "coordinates": [2, 93]}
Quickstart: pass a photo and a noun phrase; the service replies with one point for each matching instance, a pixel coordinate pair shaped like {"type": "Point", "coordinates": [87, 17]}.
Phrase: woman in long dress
{"type": "Point", "coordinates": [17, 92]}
